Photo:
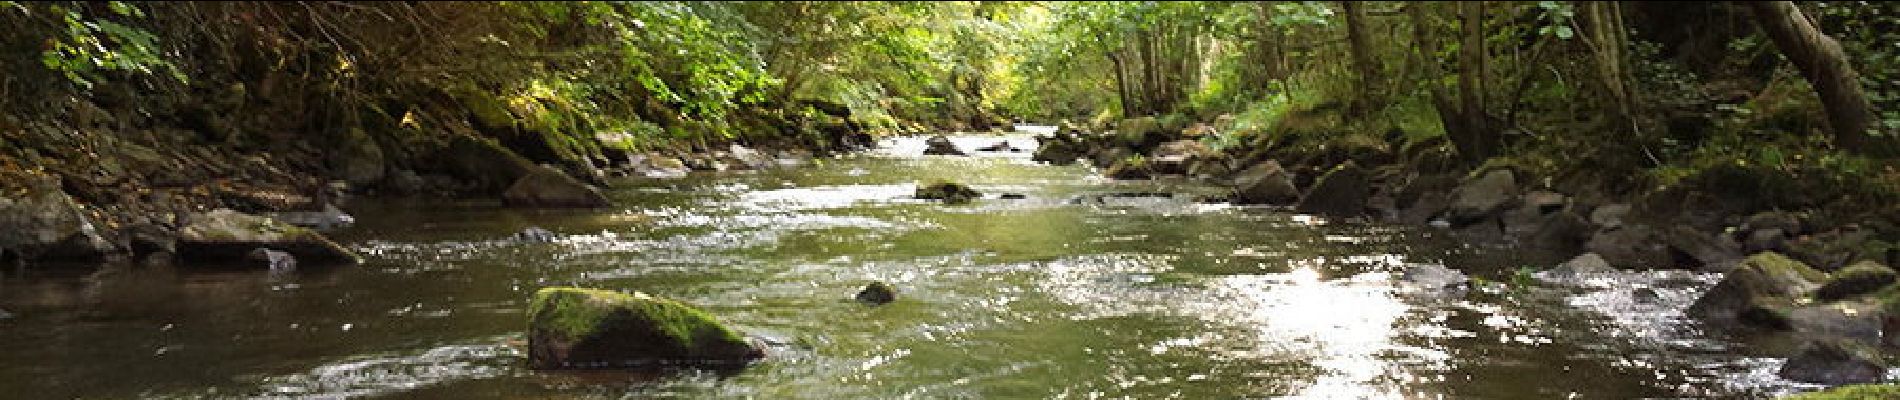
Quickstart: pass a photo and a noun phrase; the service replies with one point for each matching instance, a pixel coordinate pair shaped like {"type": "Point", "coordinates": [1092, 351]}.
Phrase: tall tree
{"type": "Point", "coordinates": [1825, 66]}
{"type": "Point", "coordinates": [1362, 61]}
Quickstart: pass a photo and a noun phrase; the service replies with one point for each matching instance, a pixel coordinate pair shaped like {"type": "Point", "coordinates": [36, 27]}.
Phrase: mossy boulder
{"type": "Point", "coordinates": [1341, 192]}
{"type": "Point", "coordinates": [547, 186]}
{"type": "Point", "coordinates": [40, 222]}
{"type": "Point", "coordinates": [1487, 195]}
{"type": "Point", "coordinates": [590, 328]}
{"type": "Point", "coordinates": [1058, 149]}
{"type": "Point", "coordinates": [877, 293]}
{"type": "Point", "coordinates": [1835, 362]}
{"type": "Point", "coordinates": [1265, 183]}
{"type": "Point", "coordinates": [487, 164]}
{"type": "Point", "coordinates": [1140, 134]}
{"type": "Point", "coordinates": [1758, 291]}
{"type": "Point", "coordinates": [1131, 167]}
{"type": "Point", "coordinates": [227, 236]}
{"type": "Point", "coordinates": [1851, 392]}
{"type": "Point", "coordinates": [1861, 278]}
{"type": "Point", "coordinates": [948, 192]}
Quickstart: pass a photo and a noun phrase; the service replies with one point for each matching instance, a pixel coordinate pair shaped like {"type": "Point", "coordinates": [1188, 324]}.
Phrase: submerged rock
{"type": "Point", "coordinates": [589, 328]}
{"type": "Point", "coordinates": [999, 147]}
{"type": "Point", "coordinates": [1265, 183]}
{"type": "Point", "coordinates": [224, 235]}
{"type": "Point", "coordinates": [1758, 292]}
{"type": "Point", "coordinates": [1860, 278]}
{"type": "Point", "coordinates": [275, 260]}
{"type": "Point", "coordinates": [949, 193]}
{"type": "Point", "coordinates": [1835, 363]}
{"type": "Point", "coordinates": [533, 234]}
{"type": "Point", "coordinates": [549, 187]}
{"type": "Point", "coordinates": [1060, 149]}
{"type": "Point", "coordinates": [877, 293]}
{"type": "Point", "coordinates": [942, 146]}
{"type": "Point", "coordinates": [1436, 279]}
{"type": "Point", "coordinates": [1341, 192]}
{"type": "Point", "coordinates": [1576, 269]}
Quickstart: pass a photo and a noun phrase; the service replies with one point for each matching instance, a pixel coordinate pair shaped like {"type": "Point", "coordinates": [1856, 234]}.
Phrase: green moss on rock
{"type": "Point", "coordinates": [590, 328]}
{"type": "Point", "coordinates": [948, 192]}
{"type": "Point", "coordinates": [1860, 278]}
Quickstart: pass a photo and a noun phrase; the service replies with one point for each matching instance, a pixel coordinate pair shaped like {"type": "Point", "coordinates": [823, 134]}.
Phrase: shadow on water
{"type": "Point", "coordinates": [1082, 287]}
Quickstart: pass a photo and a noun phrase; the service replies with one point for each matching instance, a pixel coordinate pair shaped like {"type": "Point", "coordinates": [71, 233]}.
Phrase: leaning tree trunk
{"type": "Point", "coordinates": [1448, 114]}
{"type": "Point", "coordinates": [1824, 64]}
{"type": "Point", "coordinates": [1121, 84]}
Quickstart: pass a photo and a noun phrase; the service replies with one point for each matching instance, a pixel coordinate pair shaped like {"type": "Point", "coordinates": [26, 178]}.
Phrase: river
{"type": "Point", "coordinates": [1084, 288]}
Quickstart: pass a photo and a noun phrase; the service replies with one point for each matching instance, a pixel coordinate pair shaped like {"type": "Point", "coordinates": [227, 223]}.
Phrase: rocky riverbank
{"type": "Point", "coordinates": [1806, 265]}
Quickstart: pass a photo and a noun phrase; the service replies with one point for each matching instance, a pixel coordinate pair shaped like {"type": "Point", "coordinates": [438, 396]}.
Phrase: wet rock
{"type": "Point", "coordinates": [1690, 248]}
{"type": "Point", "coordinates": [404, 181]}
{"type": "Point", "coordinates": [1832, 250]}
{"type": "Point", "coordinates": [1850, 392]}
{"type": "Point", "coordinates": [1341, 192]}
{"type": "Point", "coordinates": [1012, 196]}
{"type": "Point", "coordinates": [1563, 232]}
{"type": "Point", "coordinates": [273, 259]}
{"type": "Point", "coordinates": [1265, 183]}
{"type": "Point", "coordinates": [547, 186]}
{"type": "Point", "coordinates": [1134, 167]}
{"type": "Point", "coordinates": [1758, 291]}
{"type": "Point", "coordinates": [224, 235]}
{"type": "Point", "coordinates": [40, 222]}
{"type": "Point", "coordinates": [1483, 197]}
{"type": "Point", "coordinates": [1789, 223]}
{"type": "Point", "coordinates": [1173, 158]}
{"type": "Point", "coordinates": [1858, 321]}
{"type": "Point", "coordinates": [1059, 149]}
{"type": "Point", "coordinates": [588, 328]}
{"type": "Point", "coordinates": [1105, 157]}
{"type": "Point", "coordinates": [1001, 146]}
{"type": "Point", "coordinates": [1830, 362]}
{"type": "Point", "coordinates": [487, 164]}
{"type": "Point", "coordinates": [534, 234]}
{"type": "Point", "coordinates": [1577, 269]}
{"type": "Point", "coordinates": [148, 238]}
{"type": "Point", "coordinates": [358, 159]}
{"type": "Point", "coordinates": [1631, 246]}
{"type": "Point", "coordinates": [1645, 296]}
{"type": "Point", "coordinates": [656, 165]}
{"type": "Point", "coordinates": [1434, 279]}
{"type": "Point", "coordinates": [877, 293]}
{"type": "Point", "coordinates": [741, 157]}
{"type": "Point", "coordinates": [1861, 278]}
{"type": "Point", "coordinates": [948, 192]}
{"type": "Point", "coordinates": [1772, 239]}
{"type": "Point", "coordinates": [941, 146]}
{"type": "Point", "coordinates": [329, 218]}
{"type": "Point", "coordinates": [1610, 216]}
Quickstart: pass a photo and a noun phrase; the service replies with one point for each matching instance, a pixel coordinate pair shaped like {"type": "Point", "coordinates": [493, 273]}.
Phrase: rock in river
{"type": "Point", "coordinates": [941, 146]}
{"type": "Point", "coordinates": [950, 193]}
{"type": "Point", "coordinates": [1265, 183]}
{"type": "Point", "coordinates": [590, 328]}
{"type": "Point", "coordinates": [547, 186]}
{"type": "Point", "coordinates": [1339, 193]}
{"type": "Point", "coordinates": [877, 293]}
{"type": "Point", "coordinates": [1835, 363]}
{"type": "Point", "coordinates": [1758, 292]}
{"type": "Point", "coordinates": [224, 235]}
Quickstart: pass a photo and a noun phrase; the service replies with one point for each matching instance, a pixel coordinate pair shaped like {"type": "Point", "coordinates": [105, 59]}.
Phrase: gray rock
{"type": "Point", "coordinates": [942, 146]}
{"type": "Point", "coordinates": [1265, 183]}
{"type": "Point", "coordinates": [224, 235]}
{"type": "Point", "coordinates": [547, 186]}
{"type": "Point", "coordinates": [534, 234]}
{"type": "Point", "coordinates": [43, 223]}
{"type": "Point", "coordinates": [1577, 269]}
{"type": "Point", "coordinates": [1435, 279]}
{"type": "Point", "coordinates": [329, 218]}
{"type": "Point", "coordinates": [1835, 363]}
{"type": "Point", "coordinates": [1339, 193]}
{"type": "Point", "coordinates": [1486, 196]}
{"type": "Point", "coordinates": [1858, 321]}
{"type": "Point", "coordinates": [1758, 291]}
{"type": "Point", "coordinates": [1610, 216]}
{"type": "Point", "coordinates": [1770, 239]}
{"type": "Point", "coordinates": [1631, 246]}
{"type": "Point", "coordinates": [275, 260]}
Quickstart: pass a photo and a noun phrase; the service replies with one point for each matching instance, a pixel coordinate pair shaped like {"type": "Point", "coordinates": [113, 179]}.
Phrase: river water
{"type": "Point", "coordinates": [1084, 288]}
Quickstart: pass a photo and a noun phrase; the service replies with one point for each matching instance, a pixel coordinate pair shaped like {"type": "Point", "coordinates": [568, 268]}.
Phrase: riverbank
{"type": "Point", "coordinates": [1581, 217]}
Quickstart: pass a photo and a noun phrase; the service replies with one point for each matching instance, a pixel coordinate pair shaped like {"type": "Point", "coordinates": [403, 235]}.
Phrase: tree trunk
{"type": "Point", "coordinates": [1607, 38]}
{"type": "Point", "coordinates": [1121, 84]}
{"type": "Point", "coordinates": [1151, 76]}
{"type": "Point", "coordinates": [1362, 61]}
{"type": "Point", "coordinates": [1824, 64]}
{"type": "Point", "coordinates": [1428, 58]}
{"type": "Point", "coordinates": [1471, 55]}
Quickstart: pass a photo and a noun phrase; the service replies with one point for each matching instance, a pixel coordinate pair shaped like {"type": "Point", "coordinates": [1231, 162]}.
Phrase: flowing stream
{"type": "Point", "coordinates": [1084, 288]}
